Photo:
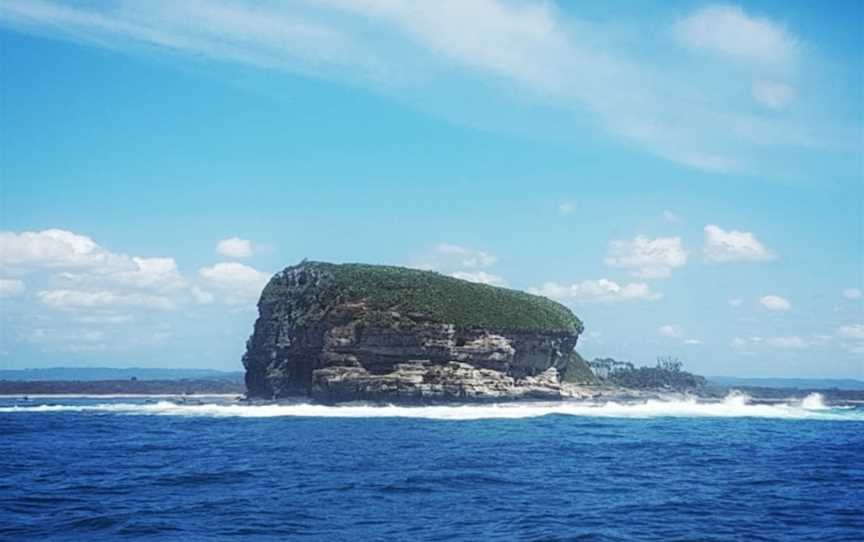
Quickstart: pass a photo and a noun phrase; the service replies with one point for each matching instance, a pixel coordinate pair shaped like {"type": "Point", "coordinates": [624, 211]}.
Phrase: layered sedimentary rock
{"type": "Point", "coordinates": [363, 332]}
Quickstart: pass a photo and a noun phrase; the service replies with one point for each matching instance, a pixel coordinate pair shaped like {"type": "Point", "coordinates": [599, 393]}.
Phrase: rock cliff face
{"type": "Point", "coordinates": [362, 332]}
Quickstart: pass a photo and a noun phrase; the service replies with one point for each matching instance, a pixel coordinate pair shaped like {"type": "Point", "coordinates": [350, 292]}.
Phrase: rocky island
{"type": "Point", "coordinates": [350, 332]}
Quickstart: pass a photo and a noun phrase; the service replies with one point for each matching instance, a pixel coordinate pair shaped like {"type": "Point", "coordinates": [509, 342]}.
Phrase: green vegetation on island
{"type": "Point", "coordinates": [577, 371]}
{"type": "Point", "coordinates": [667, 374]}
{"type": "Point", "coordinates": [439, 297]}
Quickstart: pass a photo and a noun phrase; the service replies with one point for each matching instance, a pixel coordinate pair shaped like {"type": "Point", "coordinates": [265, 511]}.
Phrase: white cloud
{"type": "Point", "coordinates": [11, 287]}
{"type": "Point", "coordinates": [775, 303]}
{"type": "Point", "coordinates": [597, 291]}
{"type": "Point", "coordinates": [675, 331]}
{"type": "Point", "coordinates": [95, 289]}
{"type": "Point", "coordinates": [671, 217]}
{"type": "Point", "coordinates": [728, 31]}
{"type": "Point", "coordinates": [73, 299]}
{"type": "Point", "coordinates": [647, 258]}
{"type": "Point", "coordinates": [468, 258]}
{"type": "Point", "coordinates": [448, 258]}
{"type": "Point", "coordinates": [105, 318]}
{"type": "Point", "coordinates": [852, 331]}
{"type": "Point", "coordinates": [852, 293]}
{"type": "Point", "coordinates": [56, 248]}
{"type": "Point", "coordinates": [793, 342]}
{"type": "Point", "coordinates": [72, 272]}
{"type": "Point", "coordinates": [234, 247]}
{"type": "Point", "coordinates": [733, 246]}
{"type": "Point", "coordinates": [750, 344]}
{"type": "Point", "coordinates": [460, 262]}
{"type": "Point", "coordinates": [736, 302]}
{"type": "Point", "coordinates": [566, 207]}
{"type": "Point", "coordinates": [672, 331]}
{"type": "Point", "coordinates": [532, 51]}
{"type": "Point", "coordinates": [772, 94]}
{"type": "Point", "coordinates": [238, 283]}
{"type": "Point", "coordinates": [151, 273]}
{"type": "Point", "coordinates": [95, 266]}
{"type": "Point", "coordinates": [480, 276]}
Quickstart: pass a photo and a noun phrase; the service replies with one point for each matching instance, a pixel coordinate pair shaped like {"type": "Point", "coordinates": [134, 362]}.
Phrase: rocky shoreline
{"type": "Point", "coordinates": [422, 382]}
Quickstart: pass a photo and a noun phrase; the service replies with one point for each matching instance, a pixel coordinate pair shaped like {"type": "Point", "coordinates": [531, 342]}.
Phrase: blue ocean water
{"type": "Point", "coordinates": [138, 469]}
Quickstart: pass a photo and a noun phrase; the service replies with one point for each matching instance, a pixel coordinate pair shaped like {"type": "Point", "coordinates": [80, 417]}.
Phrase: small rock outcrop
{"type": "Point", "coordinates": [375, 333]}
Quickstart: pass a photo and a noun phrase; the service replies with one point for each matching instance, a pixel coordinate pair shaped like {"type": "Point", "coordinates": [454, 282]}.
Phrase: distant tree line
{"type": "Point", "coordinates": [667, 374]}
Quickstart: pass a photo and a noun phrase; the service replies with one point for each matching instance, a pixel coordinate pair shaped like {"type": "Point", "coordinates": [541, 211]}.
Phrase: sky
{"type": "Point", "coordinates": [686, 176]}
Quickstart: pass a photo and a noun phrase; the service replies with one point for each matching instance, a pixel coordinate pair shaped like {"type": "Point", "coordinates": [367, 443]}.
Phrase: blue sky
{"type": "Point", "coordinates": [688, 177]}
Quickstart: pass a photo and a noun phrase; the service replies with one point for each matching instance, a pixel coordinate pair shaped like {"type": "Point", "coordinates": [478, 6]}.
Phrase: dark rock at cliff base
{"type": "Point", "coordinates": [367, 332]}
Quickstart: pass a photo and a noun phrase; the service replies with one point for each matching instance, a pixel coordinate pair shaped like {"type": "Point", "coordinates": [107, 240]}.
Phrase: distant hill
{"type": "Point", "coordinates": [110, 373]}
{"type": "Point", "coordinates": [800, 383]}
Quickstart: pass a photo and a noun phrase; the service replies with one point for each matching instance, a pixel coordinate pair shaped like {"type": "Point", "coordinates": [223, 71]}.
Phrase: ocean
{"type": "Point", "coordinates": [119, 468]}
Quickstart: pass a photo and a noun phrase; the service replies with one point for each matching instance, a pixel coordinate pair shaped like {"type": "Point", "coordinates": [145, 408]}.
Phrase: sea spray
{"type": "Point", "coordinates": [735, 405]}
{"type": "Point", "coordinates": [814, 401]}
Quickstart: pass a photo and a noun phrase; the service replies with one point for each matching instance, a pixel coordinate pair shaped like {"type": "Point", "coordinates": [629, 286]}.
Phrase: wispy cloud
{"type": "Point", "coordinates": [447, 257]}
{"type": "Point", "coordinates": [775, 303]}
{"type": "Point", "coordinates": [723, 246]}
{"type": "Point", "coordinates": [648, 258]}
{"type": "Point", "coordinates": [772, 94]}
{"type": "Point", "coordinates": [240, 284]}
{"type": "Point", "coordinates": [852, 331]}
{"type": "Point", "coordinates": [853, 293]}
{"type": "Point", "coordinates": [597, 291]}
{"type": "Point", "coordinates": [11, 287]}
{"type": "Point", "coordinates": [480, 276]}
{"type": "Point", "coordinates": [535, 51]}
{"type": "Point", "coordinates": [729, 31]}
{"type": "Point", "coordinates": [460, 262]}
{"type": "Point", "coordinates": [789, 342]}
{"type": "Point", "coordinates": [72, 299]}
{"type": "Point", "coordinates": [234, 247]}
{"type": "Point", "coordinates": [673, 331]}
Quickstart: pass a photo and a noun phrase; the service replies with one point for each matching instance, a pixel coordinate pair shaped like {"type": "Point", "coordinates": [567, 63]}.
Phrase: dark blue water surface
{"type": "Point", "coordinates": [104, 474]}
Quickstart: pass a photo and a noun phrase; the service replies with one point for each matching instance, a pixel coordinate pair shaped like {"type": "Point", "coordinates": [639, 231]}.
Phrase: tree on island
{"type": "Point", "coordinates": [667, 374]}
{"type": "Point", "coordinates": [669, 363]}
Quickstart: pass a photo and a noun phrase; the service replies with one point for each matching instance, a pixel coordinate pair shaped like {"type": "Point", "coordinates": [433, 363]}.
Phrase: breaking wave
{"type": "Point", "coordinates": [735, 405]}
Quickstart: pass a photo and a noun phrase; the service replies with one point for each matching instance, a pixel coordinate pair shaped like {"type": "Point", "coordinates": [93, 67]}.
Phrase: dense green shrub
{"type": "Point", "coordinates": [440, 297]}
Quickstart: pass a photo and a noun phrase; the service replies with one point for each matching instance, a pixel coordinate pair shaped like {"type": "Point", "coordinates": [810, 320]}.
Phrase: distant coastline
{"type": "Point", "coordinates": [115, 381]}
{"type": "Point", "coordinates": [789, 383]}
{"type": "Point", "coordinates": [117, 373]}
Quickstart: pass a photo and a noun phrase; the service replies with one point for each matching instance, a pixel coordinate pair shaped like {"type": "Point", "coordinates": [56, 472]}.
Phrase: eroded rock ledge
{"type": "Point", "coordinates": [362, 332]}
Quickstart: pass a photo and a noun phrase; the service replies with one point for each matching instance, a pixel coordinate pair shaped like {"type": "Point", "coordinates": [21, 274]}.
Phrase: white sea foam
{"type": "Point", "coordinates": [814, 401]}
{"type": "Point", "coordinates": [733, 406]}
